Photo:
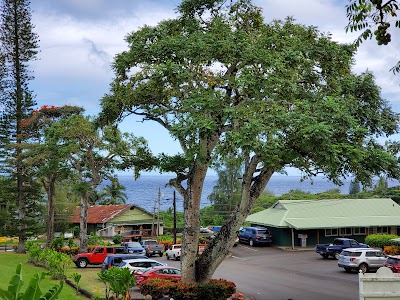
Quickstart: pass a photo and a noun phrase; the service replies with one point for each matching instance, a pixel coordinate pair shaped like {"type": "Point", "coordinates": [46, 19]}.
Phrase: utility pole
{"type": "Point", "coordinates": [174, 204]}
{"type": "Point", "coordinates": [158, 214]}
{"type": "Point", "coordinates": [154, 215]}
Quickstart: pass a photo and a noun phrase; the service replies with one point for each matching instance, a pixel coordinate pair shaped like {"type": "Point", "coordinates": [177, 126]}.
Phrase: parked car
{"type": "Point", "coordinates": [215, 229]}
{"type": "Point", "coordinates": [134, 248]}
{"type": "Point", "coordinates": [255, 236]}
{"type": "Point", "coordinates": [139, 264]}
{"type": "Point", "coordinates": [393, 263]}
{"type": "Point", "coordinates": [96, 257]}
{"type": "Point", "coordinates": [174, 252]}
{"type": "Point", "coordinates": [206, 230]}
{"type": "Point", "coordinates": [152, 247]}
{"type": "Point", "coordinates": [158, 272]}
{"type": "Point", "coordinates": [364, 259]}
{"type": "Point", "coordinates": [339, 244]}
{"type": "Point", "coordinates": [114, 260]}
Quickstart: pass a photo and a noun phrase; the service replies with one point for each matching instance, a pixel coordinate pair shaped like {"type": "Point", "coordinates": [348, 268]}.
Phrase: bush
{"type": "Point", "coordinates": [216, 289]}
{"type": "Point", "coordinates": [379, 240]}
{"type": "Point", "coordinates": [391, 250]}
{"type": "Point", "coordinates": [117, 239]}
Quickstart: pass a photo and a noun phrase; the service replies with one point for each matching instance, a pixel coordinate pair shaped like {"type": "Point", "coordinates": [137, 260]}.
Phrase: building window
{"type": "Point", "coordinates": [359, 231]}
{"type": "Point", "coordinates": [331, 232]}
{"type": "Point", "coordinates": [345, 231]}
{"type": "Point", "coordinates": [384, 230]}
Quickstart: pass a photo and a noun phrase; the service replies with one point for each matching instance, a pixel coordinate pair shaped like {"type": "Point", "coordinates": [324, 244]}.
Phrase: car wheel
{"type": "Point", "coordinates": [325, 255]}
{"type": "Point", "coordinates": [167, 257]}
{"type": "Point", "coordinates": [82, 263]}
{"type": "Point", "coordinates": [161, 254]}
{"type": "Point", "coordinates": [363, 268]}
{"type": "Point", "coordinates": [251, 243]}
{"type": "Point", "coordinates": [347, 269]}
{"type": "Point", "coordinates": [336, 255]}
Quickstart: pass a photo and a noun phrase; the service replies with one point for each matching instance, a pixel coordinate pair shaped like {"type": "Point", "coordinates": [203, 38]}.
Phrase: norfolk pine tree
{"type": "Point", "coordinates": [225, 84]}
{"type": "Point", "coordinates": [19, 46]}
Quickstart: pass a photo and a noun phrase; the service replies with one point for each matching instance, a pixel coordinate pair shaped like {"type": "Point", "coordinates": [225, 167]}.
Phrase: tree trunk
{"type": "Point", "coordinates": [219, 248]}
{"type": "Point", "coordinates": [191, 232]}
{"type": "Point", "coordinates": [21, 210]}
{"type": "Point", "coordinates": [83, 225]}
{"type": "Point", "coordinates": [50, 211]}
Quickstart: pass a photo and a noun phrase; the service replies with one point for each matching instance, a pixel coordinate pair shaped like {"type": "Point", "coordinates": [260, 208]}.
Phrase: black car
{"type": "Point", "coordinates": [255, 236]}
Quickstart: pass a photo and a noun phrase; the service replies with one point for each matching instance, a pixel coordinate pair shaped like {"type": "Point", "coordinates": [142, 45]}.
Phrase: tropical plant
{"type": "Point", "coordinates": [32, 292]}
{"type": "Point", "coordinates": [118, 281]}
{"type": "Point", "coordinates": [76, 277]}
{"type": "Point", "coordinates": [113, 194]}
{"type": "Point", "coordinates": [374, 18]}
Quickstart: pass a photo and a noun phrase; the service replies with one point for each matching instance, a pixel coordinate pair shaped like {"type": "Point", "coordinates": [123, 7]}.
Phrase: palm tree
{"type": "Point", "coordinates": [113, 194]}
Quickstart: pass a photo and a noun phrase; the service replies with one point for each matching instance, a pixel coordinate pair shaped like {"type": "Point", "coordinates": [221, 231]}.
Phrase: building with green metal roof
{"type": "Point", "coordinates": [309, 222]}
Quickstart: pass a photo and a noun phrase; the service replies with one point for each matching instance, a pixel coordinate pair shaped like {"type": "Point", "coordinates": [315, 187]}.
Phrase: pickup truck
{"type": "Point", "coordinates": [174, 252]}
{"type": "Point", "coordinates": [152, 248]}
{"type": "Point", "coordinates": [326, 250]}
{"type": "Point", "coordinates": [97, 256]}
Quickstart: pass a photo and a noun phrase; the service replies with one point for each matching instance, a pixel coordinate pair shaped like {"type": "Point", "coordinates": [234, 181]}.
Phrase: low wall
{"type": "Point", "coordinates": [384, 284]}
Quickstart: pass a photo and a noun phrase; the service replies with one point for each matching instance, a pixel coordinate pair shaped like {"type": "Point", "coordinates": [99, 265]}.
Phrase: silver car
{"type": "Point", "coordinates": [361, 259]}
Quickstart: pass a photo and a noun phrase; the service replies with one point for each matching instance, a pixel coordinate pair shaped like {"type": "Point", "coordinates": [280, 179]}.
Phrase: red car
{"type": "Point", "coordinates": [393, 263]}
{"type": "Point", "coordinates": [158, 272]}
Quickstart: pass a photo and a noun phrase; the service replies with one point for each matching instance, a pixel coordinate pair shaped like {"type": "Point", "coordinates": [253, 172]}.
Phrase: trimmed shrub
{"type": "Point", "coordinates": [216, 289]}
{"type": "Point", "coordinates": [117, 239]}
{"type": "Point", "coordinates": [379, 240]}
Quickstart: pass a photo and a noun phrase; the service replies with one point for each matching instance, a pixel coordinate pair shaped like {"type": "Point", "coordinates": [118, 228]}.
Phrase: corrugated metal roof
{"type": "Point", "coordinates": [99, 214]}
{"type": "Point", "coordinates": [308, 214]}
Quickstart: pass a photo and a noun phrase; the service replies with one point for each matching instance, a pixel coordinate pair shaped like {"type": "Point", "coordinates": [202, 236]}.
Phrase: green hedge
{"type": "Point", "coordinates": [379, 240]}
{"type": "Point", "coordinates": [216, 289]}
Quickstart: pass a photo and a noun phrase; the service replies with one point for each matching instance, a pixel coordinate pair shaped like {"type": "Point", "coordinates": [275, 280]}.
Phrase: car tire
{"type": "Point", "coordinates": [336, 255]}
{"type": "Point", "coordinates": [82, 263]}
{"type": "Point", "coordinates": [161, 254]}
{"type": "Point", "coordinates": [167, 257]}
{"type": "Point", "coordinates": [325, 255]}
{"type": "Point", "coordinates": [251, 243]}
{"type": "Point", "coordinates": [175, 258]}
{"type": "Point", "coordinates": [347, 269]}
{"type": "Point", "coordinates": [363, 268]}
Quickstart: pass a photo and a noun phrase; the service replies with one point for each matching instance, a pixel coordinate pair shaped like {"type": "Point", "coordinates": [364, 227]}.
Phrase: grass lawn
{"type": "Point", "coordinates": [89, 281]}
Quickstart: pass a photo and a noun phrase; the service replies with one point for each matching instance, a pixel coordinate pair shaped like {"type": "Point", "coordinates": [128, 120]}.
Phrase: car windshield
{"type": "Point", "coordinates": [393, 261]}
{"type": "Point", "coordinates": [133, 245]}
{"type": "Point", "coordinates": [261, 231]}
{"type": "Point", "coordinates": [351, 253]}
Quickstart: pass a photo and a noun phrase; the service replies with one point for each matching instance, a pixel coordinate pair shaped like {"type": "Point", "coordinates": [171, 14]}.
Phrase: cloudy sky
{"type": "Point", "coordinates": [79, 38]}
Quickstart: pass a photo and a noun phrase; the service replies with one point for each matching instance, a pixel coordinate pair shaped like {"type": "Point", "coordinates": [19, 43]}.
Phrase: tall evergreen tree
{"type": "Point", "coordinates": [19, 46]}
{"type": "Point", "coordinates": [354, 187]}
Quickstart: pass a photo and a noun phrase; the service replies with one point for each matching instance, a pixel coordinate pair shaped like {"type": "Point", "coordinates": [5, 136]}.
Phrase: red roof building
{"type": "Point", "coordinates": [126, 219]}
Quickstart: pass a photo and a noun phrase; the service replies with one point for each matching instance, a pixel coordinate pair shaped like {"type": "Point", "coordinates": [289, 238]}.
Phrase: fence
{"type": "Point", "coordinates": [382, 285]}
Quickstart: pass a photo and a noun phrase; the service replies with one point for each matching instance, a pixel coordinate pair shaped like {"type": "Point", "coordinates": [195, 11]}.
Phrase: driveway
{"type": "Point", "coordinates": [275, 274]}
{"type": "Point", "coordinates": [267, 273]}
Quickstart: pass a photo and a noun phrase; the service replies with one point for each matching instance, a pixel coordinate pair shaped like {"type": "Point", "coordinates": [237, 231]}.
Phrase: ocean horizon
{"type": "Point", "coordinates": [148, 189]}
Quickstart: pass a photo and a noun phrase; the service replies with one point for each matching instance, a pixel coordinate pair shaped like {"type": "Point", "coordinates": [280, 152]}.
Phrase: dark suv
{"type": "Point", "coordinates": [255, 236]}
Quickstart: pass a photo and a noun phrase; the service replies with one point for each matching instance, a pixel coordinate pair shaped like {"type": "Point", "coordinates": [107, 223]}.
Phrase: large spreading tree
{"type": "Point", "coordinates": [18, 47]}
{"type": "Point", "coordinates": [224, 84]}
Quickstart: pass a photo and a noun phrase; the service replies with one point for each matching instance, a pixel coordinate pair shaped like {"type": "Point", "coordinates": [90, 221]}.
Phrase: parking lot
{"type": "Point", "coordinates": [267, 273]}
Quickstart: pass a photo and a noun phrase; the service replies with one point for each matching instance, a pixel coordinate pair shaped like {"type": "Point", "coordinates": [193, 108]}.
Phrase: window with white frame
{"type": "Point", "coordinates": [345, 231]}
{"type": "Point", "coordinates": [359, 231]}
{"type": "Point", "coordinates": [383, 229]}
{"type": "Point", "coordinates": [331, 232]}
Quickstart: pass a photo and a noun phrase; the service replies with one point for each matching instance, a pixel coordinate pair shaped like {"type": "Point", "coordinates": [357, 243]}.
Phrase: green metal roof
{"type": "Point", "coordinates": [334, 213]}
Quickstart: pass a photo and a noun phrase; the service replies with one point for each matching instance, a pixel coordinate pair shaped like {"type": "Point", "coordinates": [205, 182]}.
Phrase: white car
{"type": "Point", "coordinates": [139, 264]}
{"type": "Point", "coordinates": [174, 252]}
